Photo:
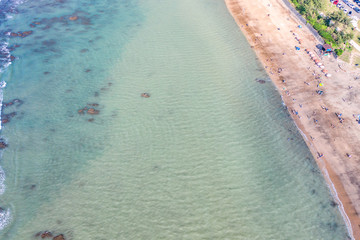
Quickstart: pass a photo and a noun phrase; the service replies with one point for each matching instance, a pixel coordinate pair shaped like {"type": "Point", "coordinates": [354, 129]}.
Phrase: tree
{"type": "Point", "coordinates": [348, 36]}
{"type": "Point", "coordinates": [340, 16]}
{"type": "Point", "coordinates": [339, 51]}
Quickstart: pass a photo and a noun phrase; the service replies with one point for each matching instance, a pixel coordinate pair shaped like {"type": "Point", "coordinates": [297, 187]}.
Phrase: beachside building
{"type": "Point", "coordinates": [326, 48]}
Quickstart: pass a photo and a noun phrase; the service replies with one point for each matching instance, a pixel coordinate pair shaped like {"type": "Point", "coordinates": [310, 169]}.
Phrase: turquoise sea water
{"type": "Point", "coordinates": [212, 154]}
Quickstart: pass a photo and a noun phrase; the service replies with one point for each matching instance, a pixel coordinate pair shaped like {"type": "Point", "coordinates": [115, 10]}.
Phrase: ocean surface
{"type": "Point", "coordinates": [211, 154]}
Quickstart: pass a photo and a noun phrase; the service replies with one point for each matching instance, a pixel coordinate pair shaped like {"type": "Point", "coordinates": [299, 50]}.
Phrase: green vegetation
{"type": "Point", "coordinates": [334, 28]}
{"type": "Point", "coordinates": [339, 51]}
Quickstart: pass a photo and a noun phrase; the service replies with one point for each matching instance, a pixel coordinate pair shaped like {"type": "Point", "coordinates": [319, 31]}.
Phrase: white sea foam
{"type": "Point", "coordinates": [5, 215]}
{"type": "Point", "coordinates": [18, 2]}
{"type": "Point", "coordinates": [2, 181]}
{"type": "Point", "coordinates": [4, 56]}
{"type": "Point", "coordinates": [5, 61]}
{"type": "Point", "coordinates": [3, 47]}
{"type": "Point", "coordinates": [1, 103]}
{"type": "Point", "coordinates": [5, 218]}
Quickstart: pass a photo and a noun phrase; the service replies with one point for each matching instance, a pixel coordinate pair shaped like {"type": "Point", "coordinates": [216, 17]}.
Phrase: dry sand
{"type": "Point", "coordinates": [269, 26]}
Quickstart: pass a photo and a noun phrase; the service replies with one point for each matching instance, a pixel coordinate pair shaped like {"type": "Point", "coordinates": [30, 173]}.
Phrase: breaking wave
{"type": "Point", "coordinates": [7, 10]}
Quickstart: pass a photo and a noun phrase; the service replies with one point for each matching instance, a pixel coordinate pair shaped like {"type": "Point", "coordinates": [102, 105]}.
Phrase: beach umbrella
{"type": "Point", "coordinates": [311, 53]}
{"type": "Point", "coordinates": [306, 50]}
{"type": "Point", "coordinates": [324, 71]}
{"type": "Point", "coordinates": [319, 64]}
{"type": "Point", "coordinates": [321, 84]}
{"type": "Point", "coordinates": [328, 75]}
{"type": "Point", "coordinates": [316, 60]}
{"type": "Point", "coordinates": [322, 66]}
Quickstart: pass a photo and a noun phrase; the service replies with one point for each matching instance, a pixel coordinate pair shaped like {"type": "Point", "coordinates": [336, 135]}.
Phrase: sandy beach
{"type": "Point", "coordinates": [333, 139]}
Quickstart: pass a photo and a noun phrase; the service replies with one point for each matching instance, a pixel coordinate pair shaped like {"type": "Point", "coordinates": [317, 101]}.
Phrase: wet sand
{"type": "Point", "coordinates": [269, 27]}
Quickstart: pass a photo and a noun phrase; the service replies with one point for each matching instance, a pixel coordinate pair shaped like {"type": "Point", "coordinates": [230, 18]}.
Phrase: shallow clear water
{"type": "Point", "coordinates": [212, 154]}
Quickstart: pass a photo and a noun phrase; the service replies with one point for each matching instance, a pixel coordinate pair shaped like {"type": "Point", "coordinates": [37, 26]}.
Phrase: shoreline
{"type": "Point", "coordinates": [269, 27]}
